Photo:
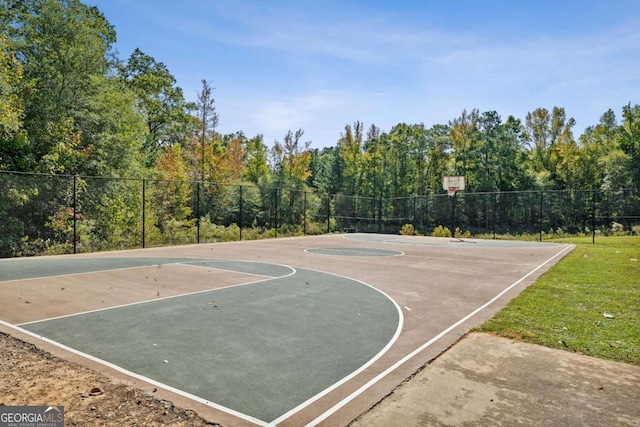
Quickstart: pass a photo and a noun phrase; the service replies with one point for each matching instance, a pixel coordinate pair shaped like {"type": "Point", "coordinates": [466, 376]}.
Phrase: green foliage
{"type": "Point", "coordinates": [69, 106]}
{"type": "Point", "coordinates": [409, 230]}
{"type": "Point", "coordinates": [441, 231]}
{"type": "Point", "coordinates": [11, 107]}
{"type": "Point", "coordinates": [457, 233]}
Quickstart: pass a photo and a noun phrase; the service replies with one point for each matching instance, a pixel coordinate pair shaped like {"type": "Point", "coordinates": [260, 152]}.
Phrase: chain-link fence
{"type": "Point", "coordinates": [542, 214]}
{"type": "Point", "coordinates": [55, 214]}
{"type": "Point", "coordinates": [58, 214]}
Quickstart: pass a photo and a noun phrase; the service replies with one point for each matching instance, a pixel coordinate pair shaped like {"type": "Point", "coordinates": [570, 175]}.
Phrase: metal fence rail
{"type": "Point", "coordinates": [57, 214]}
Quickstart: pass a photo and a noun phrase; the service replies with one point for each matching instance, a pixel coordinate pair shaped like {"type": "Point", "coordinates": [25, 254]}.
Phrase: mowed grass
{"type": "Point", "coordinates": [587, 303]}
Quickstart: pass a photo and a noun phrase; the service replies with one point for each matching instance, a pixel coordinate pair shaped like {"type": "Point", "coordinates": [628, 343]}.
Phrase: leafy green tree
{"type": "Point", "coordinates": [14, 144]}
{"type": "Point", "coordinates": [65, 49]}
{"type": "Point", "coordinates": [257, 170]}
{"type": "Point", "coordinates": [292, 159]}
{"type": "Point", "coordinates": [466, 142]}
{"type": "Point", "coordinates": [172, 191]}
{"type": "Point", "coordinates": [77, 117]}
{"type": "Point", "coordinates": [543, 130]}
{"type": "Point", "coordinates": [630, 139]}
{"type": "Point", "coordinates": [373, 163]}
{"type": "Point", "coordinates": [438, 152]}
{"type": "Point", "coordinates": [11, 109]}
{"type": "Point", "coordinates": [325, 174]}
{"type": "Point", "coordinates": [512, 170]}
{"type": "Point", "coordinates": [208, 122]}
{"type": "Point", "coordinates": [595, 143]}
{"type": "Point", "coordinates": [350, 147]}
{"type": "Point", "coordinates": [159, 100]}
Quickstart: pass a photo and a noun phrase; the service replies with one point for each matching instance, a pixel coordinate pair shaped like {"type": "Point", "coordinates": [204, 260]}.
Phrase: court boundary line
{"type": "Point", "coordinates": [358, 371]}
{"type": "Point", "coordinates": [201, 400]}
{"type": "Point", "coordinates": [165, 298]}
{"type": "Point", "coordinates": [96, 271]}
{"type": "Point", "coordinates": [322, 417]}
{"type": "Point", "coordinates": [471, 261]}
{"type": "Point", "coordinates": [390, 241]}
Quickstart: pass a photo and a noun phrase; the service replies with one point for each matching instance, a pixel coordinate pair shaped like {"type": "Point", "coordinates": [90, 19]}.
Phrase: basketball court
{"type": "Point", "coordinates": [289, 332]}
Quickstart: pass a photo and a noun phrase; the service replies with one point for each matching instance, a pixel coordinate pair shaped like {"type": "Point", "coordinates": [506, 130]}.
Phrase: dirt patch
{"type": "Point", "coordinates": [31, 376]}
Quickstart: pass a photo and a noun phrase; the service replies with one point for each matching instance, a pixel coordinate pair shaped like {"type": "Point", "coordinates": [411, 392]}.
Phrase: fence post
{"type": "Point", "coordinates": [240, 219]}
{"type": "Point", "coordinates": [593, 218]}
{"type": "Point", "coordinates": [198, 212]}
{"type": "Point", "coordinates": [304, 212]}
{"type": "Point", "coordinates": [276, 215]}
{"type": "Point", "coordinates": [75, 214]}
{"type": "Point", "coordinates": [453, 214]}
{"type": "Point", "coordinates": [144, 219]}
{"type": "Point", "coordinates": [380, 215]}
{"type": "Point", "coordinates": [495, 212]}
{"type": "Point", "coordinates": [328, 213]}
{"type": "Point", "coordinates": [540, 213]}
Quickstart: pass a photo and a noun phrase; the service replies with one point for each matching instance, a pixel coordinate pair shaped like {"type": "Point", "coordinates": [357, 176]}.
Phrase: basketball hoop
{"type": "Point", "coordinates": [452, 184]}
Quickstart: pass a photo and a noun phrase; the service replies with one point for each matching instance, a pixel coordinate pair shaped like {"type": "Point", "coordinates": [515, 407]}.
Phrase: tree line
{"type": "Point", "coordinates": [70, 105]}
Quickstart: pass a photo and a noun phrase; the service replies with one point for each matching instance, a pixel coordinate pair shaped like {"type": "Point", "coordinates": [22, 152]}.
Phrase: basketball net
{"type": "Point", "coordinates": [451, 191]}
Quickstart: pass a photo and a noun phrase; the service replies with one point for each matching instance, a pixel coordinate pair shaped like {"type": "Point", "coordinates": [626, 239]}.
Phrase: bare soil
{"type": "Point", "coordinates": [31, 376]}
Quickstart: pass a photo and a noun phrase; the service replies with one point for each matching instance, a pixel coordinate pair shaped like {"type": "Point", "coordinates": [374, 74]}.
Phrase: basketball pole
{"type": "Point", "coordinates": [453, 214]}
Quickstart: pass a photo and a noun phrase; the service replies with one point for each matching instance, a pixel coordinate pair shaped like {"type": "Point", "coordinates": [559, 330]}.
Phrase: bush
{"type": "Point", "coordinates": [458, 234]}
{"type": "Point", "coordinates": [409, 230]}
{"type": "Point", "coordinates": [441, 231]}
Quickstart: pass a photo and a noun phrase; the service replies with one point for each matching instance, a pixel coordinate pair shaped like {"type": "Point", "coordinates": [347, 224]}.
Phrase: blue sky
{"type": "Point", "coordinates": [320, 65]}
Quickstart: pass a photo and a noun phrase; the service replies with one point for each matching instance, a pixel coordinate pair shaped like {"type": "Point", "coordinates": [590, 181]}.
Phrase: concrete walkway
{"type": "Point", "coordinates": [487, 381]}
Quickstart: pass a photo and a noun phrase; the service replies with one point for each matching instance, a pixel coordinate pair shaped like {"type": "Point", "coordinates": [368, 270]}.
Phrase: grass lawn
{"type": "Point", "coordinates": [588, 303]}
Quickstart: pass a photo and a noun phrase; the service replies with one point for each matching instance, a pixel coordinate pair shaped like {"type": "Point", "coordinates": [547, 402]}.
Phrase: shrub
{"type": "Point", "coordinates": [458, 234]}
{"type": "Point", "coordinates": [441, 231]}
{"type": "Point", "coordinates": [409, 230]}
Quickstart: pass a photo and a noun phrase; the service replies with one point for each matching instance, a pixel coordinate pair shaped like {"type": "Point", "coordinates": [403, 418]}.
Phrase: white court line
{"type": "Point", "coordinates": [139, 377]}
{"type": "Point", "coordinates": [469, 260]}
{"type": "Point", "coordinates": [359, 370]}
{"type": "Point", "coordinates": [163, 298]}
{"type": "Point", "coordinates": [400, 362]}
{"type": "Point", "coordinates": [214, 405]}
{"type": "Point", "coordinates": [192, 264]}
{"type": "Point", "coordinates": [96, 271]}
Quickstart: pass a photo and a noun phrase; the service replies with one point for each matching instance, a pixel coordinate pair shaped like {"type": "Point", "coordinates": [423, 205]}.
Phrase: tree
{"type": "Point", "coordinates": [465, 139]}
{"type": "Point", "coordinates": [542, 131]}
{"type": "Point", "coordinates": [629, 138]}
{"type": "Point", "coordinates": [77, 117]}
{"type": "Point", "coordinates": [257, 170]}
{"type": "Point", "coordinates": [292, 159]}
{"type": "Point", "coordinates": [11, 109]}
{"type": "Point", "coordinates": [595, 143]}
{"type": "Point", "coordinates": [235, 155]}
{"type": "Point", "coordinates": [159, 100]}
{"type": "Point", "coordinates": [438, 152]}
{"type": "Point", "coordinates": [350, 147]}
{"type": "Point", "coordinates": [14, 144]}
{"type": "Point", "coordinates": [208, 121]}
{"type": "Point", "coordinates": [325, 176]}
{"type": "Point", "coordinates": [65, 49]}
{"type": "Point", "coordinates": [173, 192]}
